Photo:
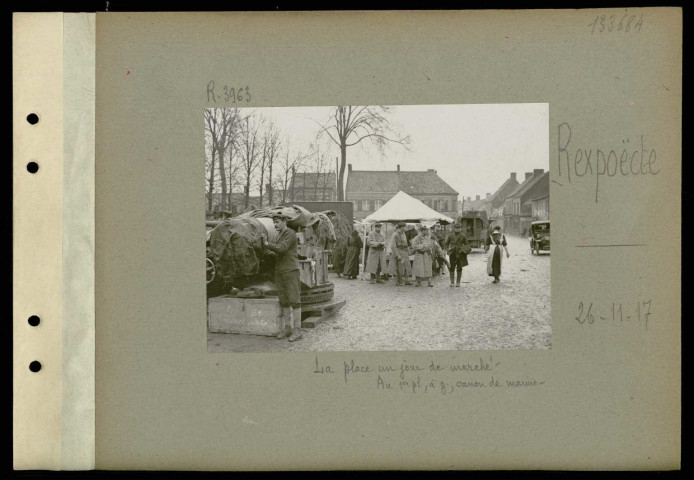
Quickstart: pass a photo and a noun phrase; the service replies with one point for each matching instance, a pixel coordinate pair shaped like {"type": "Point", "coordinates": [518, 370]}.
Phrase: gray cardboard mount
{"type": "Point", "coordinates": [610, 397]}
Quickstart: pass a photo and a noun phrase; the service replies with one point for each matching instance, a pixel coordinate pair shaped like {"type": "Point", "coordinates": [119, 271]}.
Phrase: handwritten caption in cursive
{"type": "Point", "coordinates": [425, 378]}
{"type": "Point", "coordinates": [620, 313]}
{"type": "Point", "coordinates": [614, 23]}
{"type": "Point", "coordinates": [633, 158]}
{"type": "Point", "coordinates": [227, 94]}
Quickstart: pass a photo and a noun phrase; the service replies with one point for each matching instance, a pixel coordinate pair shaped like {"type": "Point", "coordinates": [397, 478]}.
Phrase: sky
{"type": "Point", "coordinates": [473, 148]}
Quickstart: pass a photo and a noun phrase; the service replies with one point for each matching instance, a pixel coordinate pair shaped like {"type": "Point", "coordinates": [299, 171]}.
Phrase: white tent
{"type": "Point", "coordinates": [404, 208]}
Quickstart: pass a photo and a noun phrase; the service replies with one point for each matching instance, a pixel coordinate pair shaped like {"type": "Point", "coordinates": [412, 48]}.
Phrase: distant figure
{"type": "Point", "coordinates": [457, 245]}
{"type": "Point", "coordinates": [423, 249]}
{"type": "Point", "coordinates": [354, 246]}
{"type": "Point", "coordinates": [490, 229]}
{"type": "Point", "coordinates": [400, 256]}
{"type": "Point", "coordinates": [376, 261]}
{"type": "Point", "coordinates": [496, 242]}
{"type": "Point", "coordinates": [439, 259]}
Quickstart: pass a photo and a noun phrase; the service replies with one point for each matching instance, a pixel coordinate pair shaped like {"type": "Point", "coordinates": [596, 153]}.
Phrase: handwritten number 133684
{"type": "Point", "coordinates": [610, 23]}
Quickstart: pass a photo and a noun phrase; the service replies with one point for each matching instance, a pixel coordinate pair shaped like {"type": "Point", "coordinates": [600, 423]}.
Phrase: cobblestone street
{"type": "Point", "coordinates": [514, 314]}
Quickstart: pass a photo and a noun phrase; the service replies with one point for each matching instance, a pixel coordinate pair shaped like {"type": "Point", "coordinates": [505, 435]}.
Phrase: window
{"type": "Point", "coordinates": [365, 205]}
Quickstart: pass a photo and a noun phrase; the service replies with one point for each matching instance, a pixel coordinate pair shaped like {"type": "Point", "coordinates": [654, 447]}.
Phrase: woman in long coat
{"type": "Point", "coordinates": [354, 246]}
{"type": "Point", "coordinates": [399, 256]}
{"type": "Point", "coordinates": [423, 249]}
{"type": "Point", "coordinates": [495, 247]}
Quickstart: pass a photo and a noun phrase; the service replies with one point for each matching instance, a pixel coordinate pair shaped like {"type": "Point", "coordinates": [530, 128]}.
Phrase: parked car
{"type": "Point", "coordinates": [539, 236]}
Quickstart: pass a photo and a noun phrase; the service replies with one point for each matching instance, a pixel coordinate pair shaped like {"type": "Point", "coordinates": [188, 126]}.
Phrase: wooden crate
{"type": "Point", "coordinates": [252, 316]}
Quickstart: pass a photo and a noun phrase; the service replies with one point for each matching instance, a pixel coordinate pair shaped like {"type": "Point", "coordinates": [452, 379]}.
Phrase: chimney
{"type": "Point", "coordinates": [528, 175]}
{"type": "Point", "coordinates": [349, 167]}
{"type": "Point", "coordinates": [398, 168]}
{"type": "Point", "coordinates": [477, 197]}
{"type": "Point", "coordinates": [538, 171]}
{"type": "Point", "coordinates": [488, 195]}
{"type": "Point", "coordinates": [431, 170]}
{"type": "Point", "coordinates": [513, 175]}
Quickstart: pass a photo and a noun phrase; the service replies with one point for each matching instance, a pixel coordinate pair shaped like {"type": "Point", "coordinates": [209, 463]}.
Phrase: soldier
{"type": "Point", "coordinates": [457, 245]}
{"type": "Point", "coordinates": [424, 250]}
{"type": "Point", "coordinates": [400, 256]}
{"type": "Point", "coordinates": [376, 261]}
{"type": "Point", "coordinates": [287, 278]}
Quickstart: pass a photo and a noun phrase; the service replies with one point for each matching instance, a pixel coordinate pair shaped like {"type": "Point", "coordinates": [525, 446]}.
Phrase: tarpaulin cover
{"type": "Point", "coordinates": [235, 248]}
{"type": "Point", "coordinates": [297, 217]}
{"type": "Point", "coordinates": [325, 232]}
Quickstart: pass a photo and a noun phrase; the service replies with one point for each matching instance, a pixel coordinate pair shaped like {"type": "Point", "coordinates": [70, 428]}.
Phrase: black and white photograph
{"type": "Point", "coordinates": [377, 228]}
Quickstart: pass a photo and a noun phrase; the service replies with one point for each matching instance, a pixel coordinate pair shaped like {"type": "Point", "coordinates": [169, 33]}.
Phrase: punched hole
{"type": "Point", "coordinates": [34, 320]}
{"type": "Point", "coordinates": [32, 167]}
{"type": "Point", "coordinates": [35, 366]}
{"type": "Point", "coordinates": [33, 119]}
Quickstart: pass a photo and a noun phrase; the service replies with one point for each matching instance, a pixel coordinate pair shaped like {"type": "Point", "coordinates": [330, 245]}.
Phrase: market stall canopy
{"type": "Point", "coordinates": [404, 208]}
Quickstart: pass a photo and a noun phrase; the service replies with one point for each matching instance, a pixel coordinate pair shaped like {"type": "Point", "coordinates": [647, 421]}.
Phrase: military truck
{"type": "Point", "coordinates": [475, 225]}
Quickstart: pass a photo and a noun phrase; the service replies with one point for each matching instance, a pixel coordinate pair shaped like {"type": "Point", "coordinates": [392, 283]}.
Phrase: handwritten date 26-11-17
{"type": "Point", "coordinates": [227, 94]}
{"type": "Point", "coordinates": [614, 23]}
{"type": "Point", "coordinates": [639, 311]}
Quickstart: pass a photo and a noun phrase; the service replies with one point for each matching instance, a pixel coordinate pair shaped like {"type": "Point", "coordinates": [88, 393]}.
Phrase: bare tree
{"type": "Point", "coordinates": [210, 152]}
{"type": "Point", "coordinates": [269, 153]}
{"type": "Point", "coordinates": [319, 166]}
{"type": "Point", "coordinates": [250, 151]}
{"type": "Point", "coordinates": [221, 125]}
{"type": "Point", "coordinates": [349, 125]}
{"type": "Point", "coordinates": [287, 162]}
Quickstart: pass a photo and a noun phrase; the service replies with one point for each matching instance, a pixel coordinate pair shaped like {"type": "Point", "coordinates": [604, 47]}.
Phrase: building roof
{"type": "Point", "coordinates": [475, 204]}
{"type": "Point", "coordinates": [412, 183]}
{"type": "Point", "coordinates": [504, 186]}
{"type": "Point", "coordinates": [528, 184]}
{"type": "Point", "coordinates": [542, 191]}
{"type": "Point", "coordinates": [541, 197]}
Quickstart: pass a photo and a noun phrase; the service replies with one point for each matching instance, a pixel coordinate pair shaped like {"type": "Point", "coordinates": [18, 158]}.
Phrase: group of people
{"type": "Point", "coordinates": [427, 250]}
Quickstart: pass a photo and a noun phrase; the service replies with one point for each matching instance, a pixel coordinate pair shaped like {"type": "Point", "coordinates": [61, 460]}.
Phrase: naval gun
{"type": "Point", "coordinates": [236, 263]}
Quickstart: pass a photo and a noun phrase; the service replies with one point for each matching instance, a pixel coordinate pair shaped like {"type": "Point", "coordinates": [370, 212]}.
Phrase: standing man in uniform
{"type": "Point", "coordinates": [376, 261]}
{"type": "Point", "coordinates": [457, 245]}
{"type": "Point", "coordinates": [400, 256]}
{"type": "Point", "coordinates": [287, 278]}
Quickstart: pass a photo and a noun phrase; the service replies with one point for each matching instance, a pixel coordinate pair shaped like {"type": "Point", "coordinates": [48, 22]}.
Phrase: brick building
{"type": "Point", "coordinates": [540, 208]}
{"type": "Point", "coordinates": [518, 208]}
{"type": "Point", "coordinates": [369, 190]}
{"type": "Point", "coordinates": [314, 187]}
{"type": "Point", "coordinates": [493, 203]}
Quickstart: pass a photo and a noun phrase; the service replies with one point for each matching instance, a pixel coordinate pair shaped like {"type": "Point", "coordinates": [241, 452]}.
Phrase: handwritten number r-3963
{"type": "Point", "coordinates": [227, 94]}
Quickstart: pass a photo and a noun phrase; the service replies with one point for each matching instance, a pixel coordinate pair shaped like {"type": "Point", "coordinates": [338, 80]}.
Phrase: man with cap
{"type": "Point", "coordinates": [376, 261]}
{"type": "Point", "coordinates": [287, 278]}
{"type": "Point", "coordinates": [399, 256]}
{"type": "Point", "coordinates": [457, 246]}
